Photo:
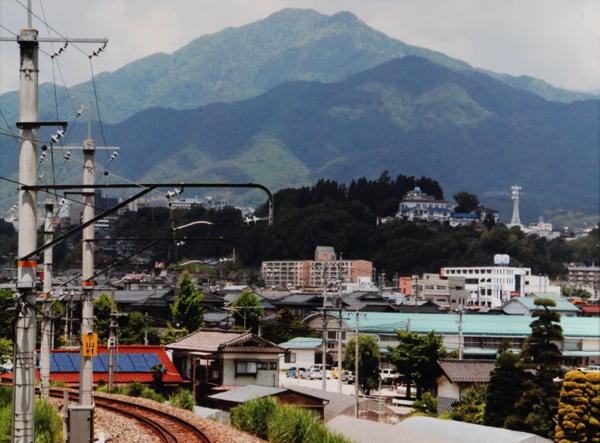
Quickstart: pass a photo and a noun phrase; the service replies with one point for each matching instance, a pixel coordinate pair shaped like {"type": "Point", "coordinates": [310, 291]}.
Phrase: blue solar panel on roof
{"type": "Point", "coordinates": [125, 363]}
{"type": "Point", "coordinates": [139, 363]}
{"type": "Point", "coordinates": [100, 363]}
{"type": "Point", "coordinates": [152, 360]}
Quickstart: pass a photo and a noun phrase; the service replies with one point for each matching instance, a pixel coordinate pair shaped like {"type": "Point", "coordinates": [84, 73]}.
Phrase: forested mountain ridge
{"type": "Point", "coordinates": [408, 116]}
{"type": "Point", "coordinates": [239, 63]}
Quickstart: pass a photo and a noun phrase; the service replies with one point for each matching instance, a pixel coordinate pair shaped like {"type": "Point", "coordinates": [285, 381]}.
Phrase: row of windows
{"type": "Point", "coordinates": [252, 367]}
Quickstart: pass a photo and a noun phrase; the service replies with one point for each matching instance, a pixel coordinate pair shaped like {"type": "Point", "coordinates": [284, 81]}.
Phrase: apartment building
{"type": "Point", "coordinates": [585, 277]}
{"type": "Point", "coordinates": [325, 270]}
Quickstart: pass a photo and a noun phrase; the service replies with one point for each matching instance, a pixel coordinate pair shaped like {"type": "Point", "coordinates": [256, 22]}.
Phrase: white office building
{"type": "Point", "coordinates": [492, 286]}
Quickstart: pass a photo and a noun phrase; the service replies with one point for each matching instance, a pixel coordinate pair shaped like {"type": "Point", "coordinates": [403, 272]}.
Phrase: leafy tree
{"type": "Point", "coordinates": [6, 350]}
{"type": "Point", "coordinates": [285, 327]}
{"type": "Point", "coordinates": [535, 410]}
{"type": "Point", "coordinates": [187, 310]}
{"type": "Point", "coordinates": [472, 405]}
{"type": "Point", "coordinates": [466, 202]}
{"type": "Point", "coordinates": [573, 291]}
{"type": "Point", "coordinates": [102, 317]}
{"type": "Point", "coordinates": [368, 362]}
{"type": "Point", "coordinates": [416, 358]}
{"type": "Point", "coordinates": [504, 389]}
{"type": "Point", "coordinates": [573, 409]}
{"type": "Point", "coordinates": [7, 313]}
{"type": "Point", "coordinates": [135, 330]}
{"type": "Point", "coordinates": [247, 311]}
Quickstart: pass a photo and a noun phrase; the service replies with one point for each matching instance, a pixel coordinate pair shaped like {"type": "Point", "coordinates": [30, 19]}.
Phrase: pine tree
{"type": "Point", "coordinates": [504, 389]}
{"type": "Point", "coordinates": [541, 359]}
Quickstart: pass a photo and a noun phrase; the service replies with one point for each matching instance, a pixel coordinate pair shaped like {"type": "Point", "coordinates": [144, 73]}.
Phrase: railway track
{"type": "Point", "coordinates": [167, 427]}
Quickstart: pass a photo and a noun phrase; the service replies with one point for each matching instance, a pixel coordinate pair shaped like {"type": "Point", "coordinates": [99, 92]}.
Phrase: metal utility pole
{"type": "Point", "coordinates": [46, 332]}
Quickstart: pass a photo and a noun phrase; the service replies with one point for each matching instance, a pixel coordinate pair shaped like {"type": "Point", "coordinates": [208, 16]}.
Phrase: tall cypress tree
{"type": "Point", "coordinates": [504, 389]}
{"type": "Point", "coordinates": [541, 359]}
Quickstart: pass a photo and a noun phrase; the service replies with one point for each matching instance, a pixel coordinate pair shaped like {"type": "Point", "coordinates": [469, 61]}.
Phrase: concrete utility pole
{"type": "Point", "coordinates": [24, 347]}
{"type": "Point", "coordinates": [356, 356]}
{"type": "Point", "coordinates": [22, 429]}
{"type": "Point", "coordinates": [86, 382]}
{"type": "Point", "coordinates": [46, 332]}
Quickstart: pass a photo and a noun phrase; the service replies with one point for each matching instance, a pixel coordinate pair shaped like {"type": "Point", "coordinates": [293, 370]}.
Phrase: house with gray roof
{"type": "Point", "coordinates": [458, 376]}
{"type": "Point", "coordinates": [212, 359]}
{"type": "Point", "coordinates": [525, 305]}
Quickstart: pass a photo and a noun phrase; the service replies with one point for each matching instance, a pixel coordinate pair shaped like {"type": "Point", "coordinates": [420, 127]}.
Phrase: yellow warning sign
{"type": "Point", "coordinates": [90, 345]}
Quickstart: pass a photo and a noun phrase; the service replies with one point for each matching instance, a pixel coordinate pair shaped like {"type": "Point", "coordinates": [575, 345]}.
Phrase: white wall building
{"type": "Point", "coordinates": [492, 286]}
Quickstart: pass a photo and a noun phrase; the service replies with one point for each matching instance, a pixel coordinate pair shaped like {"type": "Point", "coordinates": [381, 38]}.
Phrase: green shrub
{"type": "Point", "coordinates": [135, 390]}
{"type": "Point", "coordinates": [48, 425]}
{"type": "Point", "coordinates": [291, 424]}
{"type": "Point", "coordinates": [183, 399]}
{"type": "Point", "coordinates": [254, 416]}
{"type": "Point", "coordinates": [5, 396]}
{"type": "Point", "coordinates": [5, 423]}
{"type": "Point", "coordinates": [427, 404]}
{"type": "Point", "coordinates": [150, 394]}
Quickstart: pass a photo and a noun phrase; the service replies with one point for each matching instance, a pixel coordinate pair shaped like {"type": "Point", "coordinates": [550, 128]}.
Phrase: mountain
{"type": "Point", "coordinates": [300, 96]}
{"type": "Point", "coordinates": [407, 116]}
{"type": "Point", "coordinates": [239, 63]}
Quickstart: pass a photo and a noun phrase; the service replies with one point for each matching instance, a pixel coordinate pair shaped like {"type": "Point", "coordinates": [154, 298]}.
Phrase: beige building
{"type": "Point", "coordinates": [324, 270]}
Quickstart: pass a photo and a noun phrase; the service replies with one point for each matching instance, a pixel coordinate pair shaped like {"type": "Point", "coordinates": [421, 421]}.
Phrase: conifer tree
{"type": "Point", "coordinates": [541, 359]}
{"type": "Point", "coordinates": [504, 389]}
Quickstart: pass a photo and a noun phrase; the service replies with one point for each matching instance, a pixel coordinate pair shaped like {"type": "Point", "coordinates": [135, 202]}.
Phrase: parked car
{"type": "Point", "coordinates": [295, 372]}
{"type": "Point", "coordinates": [334, 373]}
{"type": "Point", "coordinates": [388, 377]}
{"type": "Point", "coordinates": [313, 373]}
{"type": "Point", "coordinates": [350, 377]}
{"type": "Point", "coordinates": [319, 366]}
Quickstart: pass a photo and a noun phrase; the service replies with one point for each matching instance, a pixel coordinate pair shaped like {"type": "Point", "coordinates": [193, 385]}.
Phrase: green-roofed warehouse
{"type": "Point", "coordinates": [481, 333]}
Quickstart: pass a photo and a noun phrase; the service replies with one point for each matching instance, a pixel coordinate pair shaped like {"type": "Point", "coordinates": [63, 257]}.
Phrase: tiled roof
{"type": "Point", "coordinates": [218, 340]}
{"type": "Point", "coordinates": [205, 340]}
{"type": "Point", "coordinates": [467, 371]}
{"type": "Point", "coordinates": [251, 343]}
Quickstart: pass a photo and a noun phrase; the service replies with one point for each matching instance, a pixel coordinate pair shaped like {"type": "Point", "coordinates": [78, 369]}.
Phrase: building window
{"type": "Point", "coordinates": [262, 365]}
{"type": "Point", "coordinates": [273, 366]}
{"type": "Point", "coordinates": [245, 368]}
{"type": "Point", "coordinates": [290, 357]}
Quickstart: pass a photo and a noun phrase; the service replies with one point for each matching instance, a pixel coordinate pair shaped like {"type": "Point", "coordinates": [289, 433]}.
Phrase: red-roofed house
{"type": "Point", "coordinates": [131, 363]}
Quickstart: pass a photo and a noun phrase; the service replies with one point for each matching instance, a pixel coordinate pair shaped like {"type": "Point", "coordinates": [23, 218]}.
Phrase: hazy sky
{"type": "Point", "coordinates": [554, 40]}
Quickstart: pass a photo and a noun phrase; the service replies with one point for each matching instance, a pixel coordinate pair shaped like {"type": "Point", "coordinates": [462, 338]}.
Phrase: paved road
{"type": "Point", "coordinates": [331, 385]}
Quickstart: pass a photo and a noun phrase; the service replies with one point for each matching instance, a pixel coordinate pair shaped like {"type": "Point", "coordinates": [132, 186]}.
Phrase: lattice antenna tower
{"type": "Point", "coordinates": [515, 220]}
